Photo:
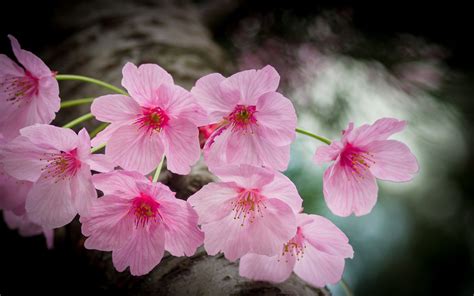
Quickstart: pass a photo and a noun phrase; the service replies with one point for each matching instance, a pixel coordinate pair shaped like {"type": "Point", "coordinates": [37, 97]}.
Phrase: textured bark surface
{"type": "Point", "coordinates": [99, 37]}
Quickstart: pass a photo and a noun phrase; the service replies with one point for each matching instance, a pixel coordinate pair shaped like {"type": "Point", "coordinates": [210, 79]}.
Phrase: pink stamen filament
{"type": "Point", "coordinates": [295, 246]}
{"type": "Point", "coordinates": [62, 165]}
{"type": "Point", "coordinates": [242, 118]}
{"type": "Point", "coordinates": [248, 205]}
{"type": "Point", "coordinates": [19, 89]}
{"type": "Point", "coordinates": [152, 119]}
{"type": "Point", "coordinates": [358, 160]}
{"type": "Point", "coordinates": [145, 209]}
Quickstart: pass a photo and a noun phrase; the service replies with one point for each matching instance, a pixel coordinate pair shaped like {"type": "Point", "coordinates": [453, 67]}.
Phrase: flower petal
{"type": "Point", "coordinates": [282, 188]}
{"type": "Point", "coordinates": [142, 252]}
{"type": "Point", "coordinates": [378, 131]}
{"type": "Point", "coordinates": [142, 82]}
{"type": "Point", "coordinates": [246, 176]}
{"type": "Point", "coordinates": [100, 163]}
{"type": "Point", "coordinates": [30, 61]}
{"type": "Point", "coordinates": [264, 268]}
{"type": "Point", "coordinates": [83, 191]}
{"type": "Point", "coordinates": [393, 161]}
{"type": "Point", "coordinates": [113, 108]}
{"type": "Point", "coordinates": [50, 136]}
{"type": "Point", "coordinates": [181, 143]}
{"type": "Point", "coordinates": [135, 149]}
{"type": "Point", "coordinates": [276, 119]}
{"type": "Point", "coordinates": [118, 182]}
{"type": "Point", "coordinates": [327, 153]}
{"type": "Point", "coordinates": [346, 191]}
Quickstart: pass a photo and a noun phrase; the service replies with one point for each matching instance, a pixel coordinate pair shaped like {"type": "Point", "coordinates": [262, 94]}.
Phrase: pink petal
{"type": "Point", "coordinates": [13, 192]}
{"type": "Point", "coordinates": [84, 146]}
{"type": "Point", "coordinates": [276, 119]}
{"type": "Point", "coordinates": [208, 94]}
{"type": "Point", "coordinates": [118, 182]}
{"type": "Point", "coordinates": [283, 189]}
{"type": "Point", "coordinates": [318, 268]}
{"type": "Point", "coordinates": [135, 149]}
{"type": "Point", "coordinates": [213, 201]}
{"type": "Point", "coordinates": [378, 131]}
{"type": "Point", "coordinates": [263, 268]}
{"type": "Point", "coordinates": [9, 67]}
{"type": "Point", "coordinates": [346, 191]}
{"type": "Point", "coordinates": [142, 82]}
{"type": "Point", "coordinates": [327, 153]}
{"type": "Point", "coordinates": [393, 161]}
{"type": "Point", "coordinates": [215, 148]}
{"type": "Point", "coordinates": [142, 252]}
{"type": "Point", "coordinates": [182, 235]}
{"type": "Point", "coordinates": [265, 236]}
{"type": "Point", "coordinates": [181, 143]}
{"type": "Point", "coordinates": [100, 163]}
{"type": "Point", "coordinates": [325, 236]}
{"type": "Point", "coordinates": [49, 236]}
{"type": "Point", "coordinates": [30, 61]}
{"type": "Point", "coordinates": [53, 137]}
{"type": "Point", "coordinates": [83, 191]}
{"type": "Point", "coordinates": [251, 84]}
{"type": "Point", "coordinates": [22, 223]}
{"type": "Point", "coordinates": [50, 203]}
{"type": "Point", "coordinates": [113, 108]}
{"type": "Point", "coordinates": [245, 176]}
{"type": "Point", "coordinates": [104, 136]}
{"type": "Point", "coordinates": [108, 224]}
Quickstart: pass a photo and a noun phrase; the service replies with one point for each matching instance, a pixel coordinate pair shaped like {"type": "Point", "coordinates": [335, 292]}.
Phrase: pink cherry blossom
{"type": "Point", "coordinates": [251, 209]}
{"type": "Point", "coordinates": [137, 220]}
{"type": "Point", "coordinates": [316, 254]}
{"type": "Point", "coordinates": [29, 93]}
{"type": "Point", "coordinates": [158, 118]}
{"type": "Point", "coordinates": [27, 228]}
{"type": "Point", "coordinates": [257, 124]}
{"type": "Point", "coordinates": [59, 163]}
{"type": "Point", "coordinates": [364, 154]}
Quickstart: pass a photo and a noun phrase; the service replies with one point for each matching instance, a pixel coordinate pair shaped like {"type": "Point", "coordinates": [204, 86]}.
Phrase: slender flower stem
{"type": "Point", "coordinates": [72, 103]}
{"type": "Point", "coordinates": [98, 129]}
{"type": "Point", "coordinates": [158, 170]}
{"type": "Point", "coordinates": [97, 148]}
{"type": "Point", "coordinates": [91, 80]}
{"type": "Point", "coordinates": [79, 120]}
{"type": "Point", "coordinates": [346, 288]}
{"type": "Point", "coordinates": [322, 139]}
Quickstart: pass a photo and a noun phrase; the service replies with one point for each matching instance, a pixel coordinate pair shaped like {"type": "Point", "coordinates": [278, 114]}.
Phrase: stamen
{"type": "Point", "coordinates": [145, 209]}
{"type": "Point", "coordinates": [294, 247]}
{"type": "Point", "coordinates": [152, 119]}
{"type": "Point", "coordinates": [19, 89]}
{"type": "Point", "coordinates": [242, 118]}
{"type": "Point", "coordinates": [248, 205]}
{"type": "Point", "coordinates": [61, 166]}
{"type": "Point", "coordinates": [358, 160]}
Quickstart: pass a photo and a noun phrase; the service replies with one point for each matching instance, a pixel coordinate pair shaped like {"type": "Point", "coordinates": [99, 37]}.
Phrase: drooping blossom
{"type": "Point", "coordinates": [157, 118]}
{"type": "Point", "coordinates": [29, 93]}
{"type": "Point", "coordinates": [257, 124]}
{"type": "Point", "coordinates": [27, 228]}
{"type": "Point", "coordinates": [59, 163]}
{"type": "Point", "coordinates": [251, 209]}
{"type": "Point", "coordinates": [362, 155]}
{"type": "Point", "coordinates": [316, 254]}
{"type": "Point", "coordinates": [137, 220]}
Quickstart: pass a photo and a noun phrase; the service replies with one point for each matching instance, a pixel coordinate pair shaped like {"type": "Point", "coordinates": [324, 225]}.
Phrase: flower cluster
{"type": "Point", "coordinates": [244, 128]}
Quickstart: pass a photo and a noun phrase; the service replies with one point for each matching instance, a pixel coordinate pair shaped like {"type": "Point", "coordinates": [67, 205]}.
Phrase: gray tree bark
{"type": "Point", "coordinates": [100, 36]}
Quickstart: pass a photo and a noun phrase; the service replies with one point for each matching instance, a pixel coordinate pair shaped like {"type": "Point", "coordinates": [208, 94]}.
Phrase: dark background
{"type": "Point", "coordinates": [436, 257]}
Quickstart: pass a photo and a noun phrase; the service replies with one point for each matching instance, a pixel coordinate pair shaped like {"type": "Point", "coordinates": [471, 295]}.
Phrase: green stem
{"type": "Point", "coordinates": [98, 129]}
{"type": "Point", "coordinates": [158, 170]}
{"type": "Point", "coordinates": [322, 139]}
{"type": "Point", "coordinates": [97, 148]}
{"type": "Point", "coordinates": [79, 120]}
{"type": "Point", "coordinates": [72, 103]}
{"type": "Point", "coordinates": [91, 80]}
{"type": "Point", "coordinates": [346, 288]}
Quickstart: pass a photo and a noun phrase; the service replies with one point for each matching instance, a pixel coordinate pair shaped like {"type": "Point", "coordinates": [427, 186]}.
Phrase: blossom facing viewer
{"type": "Point", "coordinates": [256, 123]}
{"type": "Point", "coordinates": [362, 155]}
{"type": "Point", "coordinates": [58, 161]}
{"type": "Point", "coordinates": [29, 93]}
{"type": "Point", "coordinates": [157, 118]}
{"type": "Point", "coordinates": [251, 209]}
{"type": "Point", "coordinates": [138, 220]}
{"type": "Point", "coordinates": [316, 254]}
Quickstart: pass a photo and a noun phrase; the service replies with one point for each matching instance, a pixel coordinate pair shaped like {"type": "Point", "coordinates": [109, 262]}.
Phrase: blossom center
{"type": "Point", "coordinates": [242, 118]}
{"type": "Point", "coordinates": [62, 165]}
{"type": "Point", "coordinates": [145, 209]}
{"type": "Point", "coordinates": [18, 89]}
{"type": "Point", "coordinates": [248, 205]}
{"type": "Point", "coordinates": [295, 246]}
{"type": "Point", "coordinates": [152, 119]}
{"type": "Point", "coordinates": [357, 159]}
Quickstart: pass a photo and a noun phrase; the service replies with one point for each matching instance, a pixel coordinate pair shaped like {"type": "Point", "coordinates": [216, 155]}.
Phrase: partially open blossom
{"type": "Point", "coordinates": [59, 163]}
{"type": "Point", "coordinates": [158, 118]}
{"type": "Point", "coordinates": [29, 93]}
{"type": "Point", "coordinates": [364, 154]}
{"type": "Point", "coordinates": [27, 228]}
{"type": "Point", "coordinates": [137, 220]}
{"type": "Point", "coordinates": [256, 123]}
{"type": "Point", "coordinates": [252, 209]}
{"type": "Point", "coordinates": [316, 254]}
